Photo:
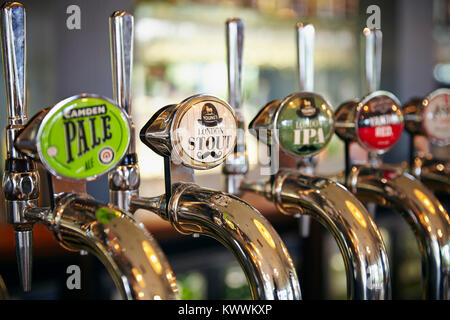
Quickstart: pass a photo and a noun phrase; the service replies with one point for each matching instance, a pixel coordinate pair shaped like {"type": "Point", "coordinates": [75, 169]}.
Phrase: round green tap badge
{"type": "Point", "coordinates": [304, 124]}
{"type": "Point", "coordinates": [83, 137]}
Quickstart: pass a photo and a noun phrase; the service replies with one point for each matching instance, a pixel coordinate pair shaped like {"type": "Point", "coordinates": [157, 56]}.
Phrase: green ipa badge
{"type": "Point", "coordinates": [304, 124]}
{"type": "Point", "coordinates": [83, 137]}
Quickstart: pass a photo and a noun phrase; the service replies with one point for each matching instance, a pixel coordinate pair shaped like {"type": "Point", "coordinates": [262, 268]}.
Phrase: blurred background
{"type": "Point", "coordinates": [180, 51]}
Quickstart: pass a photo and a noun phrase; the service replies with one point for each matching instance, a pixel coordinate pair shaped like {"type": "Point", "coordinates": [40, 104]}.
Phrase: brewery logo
{"type": "Point", "coordinates": [205, 135]}
{"type": "Point", "coordinates": [83, 137]}
{"type": "Point", "coordinates": [209, 117]}
{"type": "Point", "coordinates": [303, 128]}
{"type": "Point", "coordinates": [106, 155]}
{"type": "Point", "coordinates": [307, 108]}
{"type": "Point", "coordinates": [379, 123]}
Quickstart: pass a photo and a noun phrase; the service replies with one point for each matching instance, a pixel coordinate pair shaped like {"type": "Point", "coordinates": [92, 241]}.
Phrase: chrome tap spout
{"type": "Point", "coordinates": [433, 173]}
{"type": "Point", "coordinates": [237, 225]}
{"type": "Point", "coordinates": [390, 187]}
{"type": "Point", "coordinates": [130, 254]}
{"type": "Point", "coordinates": [358, 238]}
{"type": "Point", "coordinates": [3, 291]}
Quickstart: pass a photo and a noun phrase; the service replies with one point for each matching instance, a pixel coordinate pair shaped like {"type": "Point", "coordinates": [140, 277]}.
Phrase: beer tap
{"type": "Point", "coordinates": [236, 165]}
{"type": "Point", "coordinates": [301, 125]}
{"type": "Point", "coordinates": [78, 139]}
{"type": "Point", "coordinates": [20, 178]}
{"type": "Point", "coordinates": [429, 118]}
{"type": "Point", "coordinates": [198, 133]}
{"type": "Point", "coordinates": [376, 123]}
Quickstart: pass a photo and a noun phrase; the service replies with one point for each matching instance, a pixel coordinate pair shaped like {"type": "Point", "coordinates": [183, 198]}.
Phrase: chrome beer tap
{"type": "Point", "coordinates": [301, 125]}
{"type": "Point", "coordinates": [20, 178]}
{"type": "Point", "coordinates": [236, 165]}
{"type": "Point", "coordinates": [427, 120]}
{"type": "Point", "coordinates": [85, 124]}
{"type": "Point", "coordinates": [192, 210]}
{"type": "Point", "coordinates": [376, 123]}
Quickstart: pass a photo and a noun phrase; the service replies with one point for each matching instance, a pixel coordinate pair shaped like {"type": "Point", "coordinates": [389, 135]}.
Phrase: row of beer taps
{"type": "Point", "coordinates": [202, 132]}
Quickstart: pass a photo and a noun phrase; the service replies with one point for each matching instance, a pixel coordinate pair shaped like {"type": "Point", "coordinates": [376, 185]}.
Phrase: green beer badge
{"type": "Point", "coordinates": [304, 124]}
{"type": "Point", "coordinates": [83, 137]}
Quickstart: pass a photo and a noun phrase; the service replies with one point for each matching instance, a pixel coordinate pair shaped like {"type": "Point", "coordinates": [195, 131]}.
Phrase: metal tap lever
{"type": "Point", "coordinates": [121, 24]}
{"type": "Point", "coordinates": [236, 165]}
{"type": "Point", "coordinates": [305, 63]}
{"type": "Point", "coordinates": [20, 180]}
{"type": "Point", "coordinates": [305, 56]}
{"type": "Point", "coordinates": [373, 50]}
{"type": "Point", "coordinates": [14, 57]}
{"type": "Point", "coordinates": [124, 180]}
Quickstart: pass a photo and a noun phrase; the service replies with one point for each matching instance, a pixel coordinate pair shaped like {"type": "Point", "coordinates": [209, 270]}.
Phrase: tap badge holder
{"type": "Point", "coordinates": [430, 116]}
{"type": "Point", "coordinates": [376, 122]}
{"type": "Point", "coordinates": [198, 133]}
{"type": "Point", "coordinates": [81, 137]}
{"type": "Point", "coordinates": [302, 124]}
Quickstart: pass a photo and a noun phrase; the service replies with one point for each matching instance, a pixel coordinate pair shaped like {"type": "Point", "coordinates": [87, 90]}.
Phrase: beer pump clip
{"type": "Point", "coordinates": [375, 121]}
{"type": "Point", "coordinates": [429, 117]}
{"type": "Point", "coordinates": [80, 138]}
{"type": "Point", "coordinates": [198, 133]}
{"type": "Point", "coordinates": [301, 124]}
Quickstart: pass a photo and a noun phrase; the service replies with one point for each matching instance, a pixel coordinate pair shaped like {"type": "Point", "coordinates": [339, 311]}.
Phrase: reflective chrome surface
{"type": "Point", "coordinates": [241, 228]}
{"type": "Point", "coordinates": [236, 164]}
{"type": "Point", "coordinates": [20, 180]}
{"type": "Point", "coordinates": [131, 255]}
{"type": "Point", "coordinates": [305, 56]}
{"type": "Point", "coordinates": [124, 181]}
{"type": "Point", "coordinates": [360, 242]}
{"type": "Point", "coordinates": [14, 58]}
{"type": "Point", "coordinates": [433, 173]}
{"type": "Point", "coordinates": [3, 291]}
{"type": "Point", "coordinates": [430, 221]}
{"type": "Point", "coordinates": [373, 50]}
{"type": "Point", "coordinates": [121, 25]}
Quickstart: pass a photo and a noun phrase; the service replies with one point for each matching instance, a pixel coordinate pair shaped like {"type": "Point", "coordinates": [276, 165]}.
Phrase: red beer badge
{"type": "Point", "coordinates": [379, 121]}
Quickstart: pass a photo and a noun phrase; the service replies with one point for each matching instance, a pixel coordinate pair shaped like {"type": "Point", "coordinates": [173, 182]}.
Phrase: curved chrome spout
{"type": "Point", "coordinates": [3, 291]}
{"type": "Point", "coordinates": [360, 242]}
{"type": "Point", "coordinates": [433, 173]}
{"type": "Point", "coordinates": [428, 218]}
{"type": "Point", "coordinates": [240, 227]}
{"type": "Point", "coordinates": [130, 254]}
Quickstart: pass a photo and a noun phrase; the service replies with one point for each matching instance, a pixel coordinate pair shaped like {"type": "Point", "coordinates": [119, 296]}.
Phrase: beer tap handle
{"type": "Point", "coordinates": [121, 25]}
{"type": "Point", "coordinates": [236, 165]}
{"type": "Point", "coordinates": [13, 33]}
{"type": "Point", "coordinates": [373, 49]}
{"type": "Point", "coordinates": [305, 56]}
{"type": "Point", "coordinates": [14, 59]}
{"type": "Point", "coordinates": [235, 44]}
